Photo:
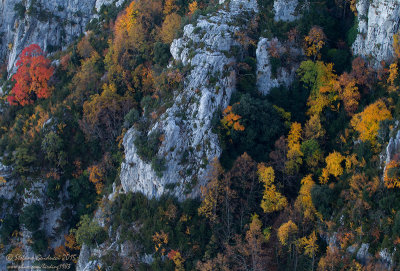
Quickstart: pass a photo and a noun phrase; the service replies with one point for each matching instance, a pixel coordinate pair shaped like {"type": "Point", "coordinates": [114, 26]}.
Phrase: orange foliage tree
{"type": "Point", "coordinates": [160, 239]}
{"type": "Point", "coordinates": [84, 47]}
{"type": "Point", "coordinates": [193, 7]}
{"type": "Point", "coordinates": [103, 114]}
{"type": "Point", "coordinates": [96, 176]}
{"type": "Point", "coordinates": [70, 242]}
{"type": "Point", "coordinates": [176, 257]}
{"type": "Point", "coordinates": [133, 34]}
{"type": "Point", "coordinates": [367, 122]}
{"type": "Point", "coordinates": [360, 71]}
{"type": "Point", "coordinates": [231, 120]}
{"type": "Point", "coordinates": [349, 93]}
{"type": "Point", "coordinates": [60, 252]}
{"type": "Point", "coordinates": [32, 77]}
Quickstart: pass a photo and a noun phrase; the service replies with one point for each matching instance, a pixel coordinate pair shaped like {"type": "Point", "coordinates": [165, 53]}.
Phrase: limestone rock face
{"type": "Point", "coordinates": [189, 144]}
{"type": "Point", "coordinates": [378, 22]}
{"type": "Point", "coordinates": [50, 24]}
{"type": "Point", "coordinates": [266, 80]}
{"type": "Point", "coordinates": [393, 147]}
{"type": "Point", "coordinates": [285, 10]}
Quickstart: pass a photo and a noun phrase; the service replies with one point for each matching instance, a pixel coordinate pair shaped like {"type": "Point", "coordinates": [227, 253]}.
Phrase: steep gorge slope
{"type": "Point", "coordinates": [188, 142]}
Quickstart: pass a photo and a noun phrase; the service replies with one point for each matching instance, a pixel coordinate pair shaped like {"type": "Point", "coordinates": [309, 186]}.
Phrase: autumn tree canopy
{"type": "Point", "coordinates": [314, 42]}
{"type": "Point", "coordinates": [367, 122]}
{"type": "Point", "coordinates": [272, 200]}
{"type": "Point", "coordinates": [32, 77]}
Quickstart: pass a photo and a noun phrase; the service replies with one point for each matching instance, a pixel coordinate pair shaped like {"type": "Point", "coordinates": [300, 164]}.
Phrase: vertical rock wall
{"type": "Point", "coordinates": [378, 21]}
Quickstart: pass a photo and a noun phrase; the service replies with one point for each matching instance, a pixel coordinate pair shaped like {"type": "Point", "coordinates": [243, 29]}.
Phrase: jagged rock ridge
{"type": "Point", "coordinates": [189, 144]}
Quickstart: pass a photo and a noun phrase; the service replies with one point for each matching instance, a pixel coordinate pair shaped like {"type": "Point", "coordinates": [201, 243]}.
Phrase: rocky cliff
{"type": "Point", "coordinates": [282, 76]}
{"type": "Point", "coordinates": [285, 10]}
{"type": "Point", "coordinates": [378, 21]}
{"type": "Point", "coordinates": [189, 144]}
{"type": "Point", "coordinates": [51, 24]}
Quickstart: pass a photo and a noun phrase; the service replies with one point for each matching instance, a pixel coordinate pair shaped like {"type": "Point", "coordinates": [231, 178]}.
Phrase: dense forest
{"type": "Point", "coordinates": [303, 181]}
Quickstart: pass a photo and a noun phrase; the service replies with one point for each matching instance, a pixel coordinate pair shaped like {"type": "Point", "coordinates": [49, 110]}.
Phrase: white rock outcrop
{"type": "Point", "coordinates": [53, 24]}
{"type": "Point", "coordinates": [392, 148]}
{"type": "Point", "coordinates": [189, 144]}
{"type": "Point", "coordinates": [285, 10]}
{"type": "Point", "coordinates": [284, 76]}
{"type": "Point", "coordinates": [378, 21]}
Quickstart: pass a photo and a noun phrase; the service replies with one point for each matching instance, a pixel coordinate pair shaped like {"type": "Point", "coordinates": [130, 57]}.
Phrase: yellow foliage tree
{"type": "Point", "coordinates": [193, 7]}
{"type": "Point", "coordinates": [391, 176]}
{"type": "Point", "coordinates": [367, 122]}
{"type": "Point", "coordinates": [254, 241]}
{"type": "Point", "coordinates": [393, 74]}
{"type": "Point", "coordinates": [287, 232]}
{"type": "Point", "coordinates": [294, 136]}
{"type": "Point", "coordinates": [210, 193]}
{"type": "Point", "coordinates": [323, 84]}
{"type": "Point", "coordinates": [170, 25]}
{"type": "Point", "coordinates": [310, 246]}
{"type": "Point", "coordinates": [272, 199]}
{"type": "Point", "coordinates": [353, 6]}
{"type": "Point", "coordinates": [304, 202]}
{"type": "Point", "coordinates": [160, 239]}
{"type": "Point", "coordinates": [170, 7]}
{"type": "Point", "coordinates": [127, 19]}
{"type": "Point", "coordinates": [313, 128]}
{"type": "Point", "coordinates": [294, 154]}
{"type": "Point", "coordinates": [333, 166]}
{"type": "Point", "coordinates": [314, 42]}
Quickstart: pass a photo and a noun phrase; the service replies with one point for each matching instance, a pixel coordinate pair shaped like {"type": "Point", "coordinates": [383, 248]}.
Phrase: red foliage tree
{"type": "Point", "coordinates": [31, 78]}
